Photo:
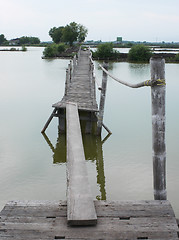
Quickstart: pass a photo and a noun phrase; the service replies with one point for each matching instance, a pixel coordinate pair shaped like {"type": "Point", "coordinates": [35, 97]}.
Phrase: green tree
{"type": "Point", "coordinates": [28, 40]}
{"type": "Point", "coordinates": [139, 53]}
{"type": "Point", "coordinates": [82, 32]}
{"type": "Point", "coordinates": [56, 34]}
{"type": "Point", "coordinates": [105, 51]}
{"type": "Point", "coordinates": [70, 33]}
{"type": "Point", "coordinates": [2, 39]}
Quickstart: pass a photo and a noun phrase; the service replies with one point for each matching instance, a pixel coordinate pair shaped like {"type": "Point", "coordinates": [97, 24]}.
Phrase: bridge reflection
{"type": "Point", "coordinates": [93, 149]}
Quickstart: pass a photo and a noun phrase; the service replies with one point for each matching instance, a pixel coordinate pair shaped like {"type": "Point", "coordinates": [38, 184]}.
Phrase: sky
{"type": "Point", "coordinates": [133, 20]}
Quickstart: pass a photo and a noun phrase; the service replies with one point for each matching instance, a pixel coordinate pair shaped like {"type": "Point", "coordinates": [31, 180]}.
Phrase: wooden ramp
{"type": "Point", "coordinates": [27, 220]}
{"type": "Point", "coordinates": [80, 203]}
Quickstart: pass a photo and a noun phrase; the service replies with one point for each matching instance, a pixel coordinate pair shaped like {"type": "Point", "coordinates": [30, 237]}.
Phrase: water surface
{"type": "Point", "coordinates": [32, 166]}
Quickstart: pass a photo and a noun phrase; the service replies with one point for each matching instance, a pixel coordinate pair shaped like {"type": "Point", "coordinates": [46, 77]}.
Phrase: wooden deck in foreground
{"type": "Point", "coordinates": [30, 220]}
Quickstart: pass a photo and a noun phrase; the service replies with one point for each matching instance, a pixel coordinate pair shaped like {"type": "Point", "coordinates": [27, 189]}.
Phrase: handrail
{"type": "Point", "coordinates": [137, 85]}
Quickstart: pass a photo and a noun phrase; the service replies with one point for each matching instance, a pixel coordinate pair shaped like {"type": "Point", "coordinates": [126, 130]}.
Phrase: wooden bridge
{"type": "Point", "coordinates": [80, 217]}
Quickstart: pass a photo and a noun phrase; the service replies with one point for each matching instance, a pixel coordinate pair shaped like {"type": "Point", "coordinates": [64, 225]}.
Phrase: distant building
{"type": "Point", "coordinates": [14, 42]}
{"type": "Point", "coordinates": [119, 40]}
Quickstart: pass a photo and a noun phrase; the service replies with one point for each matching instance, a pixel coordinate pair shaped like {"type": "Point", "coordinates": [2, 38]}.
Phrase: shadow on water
{"type": "Point", "coordinates": [93, 148]}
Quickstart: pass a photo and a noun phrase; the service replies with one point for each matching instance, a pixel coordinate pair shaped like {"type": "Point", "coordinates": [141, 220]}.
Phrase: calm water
{"type": "Point", "coordinates": [32, 166]}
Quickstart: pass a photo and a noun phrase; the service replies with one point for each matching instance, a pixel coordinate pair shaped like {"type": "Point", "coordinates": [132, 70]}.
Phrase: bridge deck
{"type": "Point", "coordinates": [81, 89]}
{"type": "Point", "coordinates": [116, 220]}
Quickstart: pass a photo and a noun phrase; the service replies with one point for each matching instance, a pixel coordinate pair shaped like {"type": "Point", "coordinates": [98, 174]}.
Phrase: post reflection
{"type": "Point", "coordinates": [93, 149]}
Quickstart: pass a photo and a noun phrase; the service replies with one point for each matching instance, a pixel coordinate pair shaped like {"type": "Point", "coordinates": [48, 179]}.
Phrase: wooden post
{"type": "Point", "coordinates": [61, 119]}
{"type": "Point", "coordinates": [102, 101]}
{"type": "Point", "coordinates": [158, 127]}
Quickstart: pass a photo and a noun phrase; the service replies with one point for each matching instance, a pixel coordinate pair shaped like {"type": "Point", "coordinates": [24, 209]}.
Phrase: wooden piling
{"type": "Point", "coordinates": [158, 127]}
{"type": "Point", "coordinates": [102, 101]}
{"type": "Point", "coordinates": [61, 120]}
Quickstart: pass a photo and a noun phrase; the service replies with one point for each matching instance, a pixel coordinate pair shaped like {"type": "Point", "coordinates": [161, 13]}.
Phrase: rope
{"type": "Point", "coordinates": [147, 83]}
{"type": "Point", "coordinates": [161, 82]}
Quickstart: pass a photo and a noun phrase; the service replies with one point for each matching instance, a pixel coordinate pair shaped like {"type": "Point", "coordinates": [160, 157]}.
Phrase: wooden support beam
{"type": "Point", "coordinates": [80, 205]}
{"type": "Point", "coordinates": [49, 120]}
{"type": "Point", "coordinates": [158, 127]}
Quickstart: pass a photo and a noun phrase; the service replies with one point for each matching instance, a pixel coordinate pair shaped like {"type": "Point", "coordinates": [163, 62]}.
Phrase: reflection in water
{"type": "Point", "coordinates": [93, 152]}
{"type": "Point", "coordinates": [139, 69]}
{"type": "Point", "coordinates": [59, 152]}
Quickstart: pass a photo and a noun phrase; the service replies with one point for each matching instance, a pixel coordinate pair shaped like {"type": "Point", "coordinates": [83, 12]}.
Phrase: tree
{"type": "Point", "coordinates": [82, 32]}
{"type": "Point", "coordinates": [2, 39]}
{"type": "Point", "coordinates": [105, 51]}
{"type": "Point", "coordinates": [28, 40]}
{"type": "Point", "coordinates": [56, 34]}
{"type": "Point", "coordinates": [139, 53]}
{"type": "Point", "coordinates": [70, 33]}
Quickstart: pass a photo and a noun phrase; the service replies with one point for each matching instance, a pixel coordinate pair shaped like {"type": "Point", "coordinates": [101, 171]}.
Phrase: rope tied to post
{"type": "Point", "coordinates": [161, 82]}
{"type": "Point", "coordinates": [158, 82]}
{"type": "Point", "coordinates": [148, 83]}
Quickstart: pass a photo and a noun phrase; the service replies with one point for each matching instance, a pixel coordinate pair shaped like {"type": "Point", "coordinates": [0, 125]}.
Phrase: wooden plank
{"type": "Point", "coordinates": [80, 210]}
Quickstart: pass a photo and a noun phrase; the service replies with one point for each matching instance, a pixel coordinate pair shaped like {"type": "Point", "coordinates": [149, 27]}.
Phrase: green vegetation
{"type": "Point", "coordinates": [177, 57]}
{"type": "Point", "coordinates": [13, 49]}
{"type": "Point", "coordinates": [54, 50]}
{"type": "Point", "coordinates": [69, 34]}
{"type": "Point", "coordinates": [56, 34]}
{"type": "Point", "coordinates": [2, 39]}
{"type": "Point", "coordinates": [139, 53]}
{"type": "Point", "coordinates": [62, 38]}
{"type": "Point", "coordinates": [24, 49]}
{"type": "Point", "coordinates": [106, 51]}
{"type": "Point", "coordinates": [28, 40]}
{"type": "Point", "coordinates": [19, 41]}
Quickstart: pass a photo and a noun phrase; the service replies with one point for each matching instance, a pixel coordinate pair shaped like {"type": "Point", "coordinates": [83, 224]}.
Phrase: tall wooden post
{"type": "Point", "coordinates": [102, 101]}
{"type": "Point", "coordinates": [158, 127]}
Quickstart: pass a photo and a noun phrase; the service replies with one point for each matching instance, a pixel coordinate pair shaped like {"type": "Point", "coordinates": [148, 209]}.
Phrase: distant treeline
{"type": "Point", "coordinates": [24, 40]}
{"type": "Point", "coordinates": [127, 44]}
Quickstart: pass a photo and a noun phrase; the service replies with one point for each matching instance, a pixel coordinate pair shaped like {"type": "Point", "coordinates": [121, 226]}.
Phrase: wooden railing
{"type": "Point", "coordinates": [158, 88]}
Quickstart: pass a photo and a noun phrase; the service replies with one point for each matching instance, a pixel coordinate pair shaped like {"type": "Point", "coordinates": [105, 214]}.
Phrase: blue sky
{"type": "Point", "coordinates": [138, 20]}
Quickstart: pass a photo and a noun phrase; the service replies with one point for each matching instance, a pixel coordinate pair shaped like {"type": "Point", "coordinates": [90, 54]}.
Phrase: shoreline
{"type": "Point", "coordinates": [169, 58]}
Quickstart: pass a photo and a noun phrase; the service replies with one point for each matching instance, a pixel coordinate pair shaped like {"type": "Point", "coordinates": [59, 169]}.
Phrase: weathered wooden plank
{"type": "Point", "coordinates": [80, 205]}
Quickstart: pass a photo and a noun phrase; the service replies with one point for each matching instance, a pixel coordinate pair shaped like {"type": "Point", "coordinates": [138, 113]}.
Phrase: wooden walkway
{"type": "Point", "coordinates": [47, 220]}
{"type": "Point", "coordinates": [80, 86]}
